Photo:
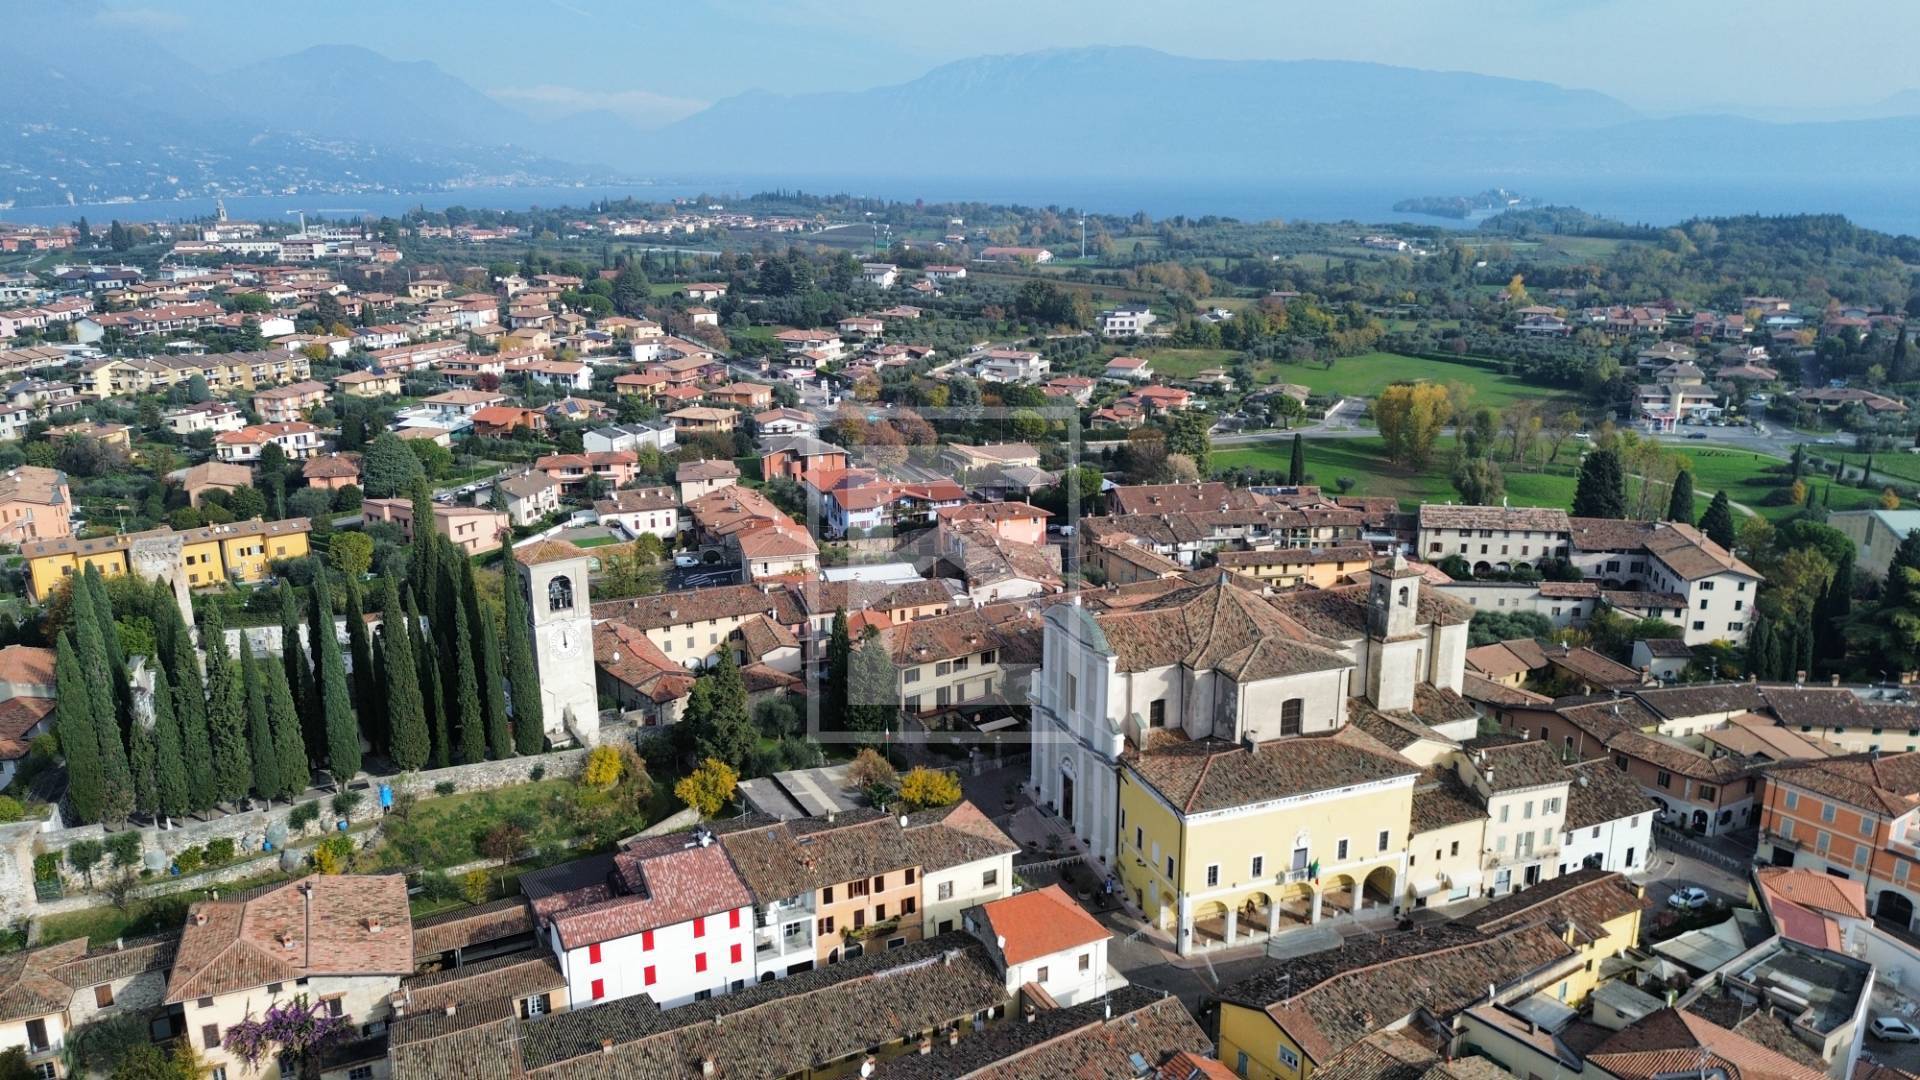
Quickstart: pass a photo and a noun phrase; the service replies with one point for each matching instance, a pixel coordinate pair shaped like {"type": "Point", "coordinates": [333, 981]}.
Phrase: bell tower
{"type": "Point", "coordinates": [553, 576]}
{"type": "Point", "coordinates": [1393, 619]}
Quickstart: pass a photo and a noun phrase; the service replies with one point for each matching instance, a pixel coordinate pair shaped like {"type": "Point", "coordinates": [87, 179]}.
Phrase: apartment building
{"type": "Point", "coordinates": [693, 627]}
{"type": "Point", "coordinates": [614, 468]}
{"type": "Point", "coordinates": [1492, 537]}
{"type": "Point", "coordinates": [284, 404]}
{"type": "Point", "coordinates": [1288, 568]}
{"type": "Point", "coordinates": [946, 660]}
{"type": "Point", "coordinates": [242, 552]}
{"type": "Point", "coordinates": [1855, 817]}
{"type": "Point", "coordinates": [1524, 788]}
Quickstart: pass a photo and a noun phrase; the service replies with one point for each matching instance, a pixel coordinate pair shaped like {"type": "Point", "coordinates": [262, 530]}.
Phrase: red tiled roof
{"type": "Point", "coordinates": [1040, 923]}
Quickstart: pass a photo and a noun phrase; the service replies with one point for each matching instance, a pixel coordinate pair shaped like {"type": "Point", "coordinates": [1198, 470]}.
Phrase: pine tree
{"type": "Point", "coordinates": [408, 744]}
{"type": "Point", "coordinates": [1297, 468]}
{"type": "Point", "coordinates": [467, 707]}
{"type": "Point", "coordinates": [717, 724]}
{"type": "Point", "coordinates": [295, 772]}
{"type": "Point", "coordinates": [1680, 501]}
{"type": "Point", "coordinates": [189, 694]}
{"type": "Point", "coordinates": [360, 651]}
{"type": "Point", "coordinates": [116, 775]}
{"type": "Point", "coordinates": [529, 717]}
{"type": "Point", "coordinates": [330, 676]}
{"type": "Point", "coordinates": [299, 677]}
{"type": "Point", "coordinates": [1601, 491]}
{"type": "Point", "coordinates": [232, 761]}
{"type": "Point", "coordinates": [1717, 522]}
{"type": "Point", "coordinates": [73, 725]}
{"type": "Point", "coordinates": [266, 761]}
{"type": "Point", "coordinates": [171, 787]}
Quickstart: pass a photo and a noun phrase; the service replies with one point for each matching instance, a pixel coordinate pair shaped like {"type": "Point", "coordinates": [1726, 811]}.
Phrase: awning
{"type": "Point", "coordinates": [1426, 886]}
{"type": "Point", "coordinates": [1465, 879]}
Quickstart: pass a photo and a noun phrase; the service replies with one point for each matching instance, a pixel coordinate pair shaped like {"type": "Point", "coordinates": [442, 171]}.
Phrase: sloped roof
{"type": "Point", "coordinates": [1671, 1041]}
{"type": "Point", "coordinates": [1040, 922]}
{"type": "Point", "coordinates": [1231, 630]}
{"type": "Point", "coordinates": [1201, 775]}
{"type": "Point", "coordinates": [343, 925]}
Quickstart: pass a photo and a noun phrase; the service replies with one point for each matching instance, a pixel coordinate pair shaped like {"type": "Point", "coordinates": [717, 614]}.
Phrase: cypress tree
{"type": "Point", "coordinates": [360, 651]}
{"type": "Point", "coordinates": [432, 698]}
{"type": "Point", "coordinates": [336, 700]}
{"type": "Point", "coordinates": [486, 652]}
{"type": "Point", "coordinates": [1297, 468]}
{"type": "Point", "coordinates": [408, 744]}
{"type": "Point", "coordinates": [266, 763]}
{"type": "Point", "coordinates": [227, 715]}
{"type": "Point", "coordinates": [171, 787]}
{"type": "Point", "coordinates": [295, 772]}
{"type": "Point", "coordinates": [529, 717]}
{"type": "Point", "coordinates": [422, 551]}
{"type": "Point", "coordinates": [116, 775]}
{"type": "Point", "coordinates": [1832, 610]}
{"type": "Point", "coordinates": [839, 669]}
{"type": "Point", "coordinates": [116, 657]}
{"type": "Point", "coordinates": [299, 677]}
{"type": "Point", "coordinates": [1680, 500]}
{"type": "Point", "coordinates": [73, 725]}
{"type": "Point", "coordinates": [1601, 490]}
{"type": "Point", "coordinates": [467, 707]}
{"type": "Point", "coordinates": [1717, 522]}
{"type": "Point", "coordinates": [189, 694]}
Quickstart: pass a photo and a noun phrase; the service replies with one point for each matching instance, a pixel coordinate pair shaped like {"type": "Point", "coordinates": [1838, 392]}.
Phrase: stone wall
{"type": "Point", "coordinates": [247, 829]}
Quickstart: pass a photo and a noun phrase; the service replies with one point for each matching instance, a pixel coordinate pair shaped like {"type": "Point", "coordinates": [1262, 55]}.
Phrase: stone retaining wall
{"type": "Point", "coordinates": [247, 829]}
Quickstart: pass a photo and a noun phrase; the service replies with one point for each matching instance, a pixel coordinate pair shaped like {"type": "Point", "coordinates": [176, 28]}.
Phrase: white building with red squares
{"type": "Point", "coordinates": [667, 917]}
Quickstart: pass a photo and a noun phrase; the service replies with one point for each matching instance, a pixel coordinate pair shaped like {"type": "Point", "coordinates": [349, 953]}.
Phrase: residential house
{"type": "Point", "coordinates": [741, 395]}
{"type": "Point", "coordinates": [501, 421]}
{"type": "Point", "coordinates": [331, 472]}
{"type": "Point", "coordinates": [198, 480]}
{"type": "Point", "coordinates": [372, 383]}
{"type": "Point", "coordinates": [1042, 938]}
{"type": "Point", "coordinates": [696, 479]}
{"type": "Point", "coordinates": [700, 418]}
{"type": "Point", "coordinates": [785, 421]}
{"type": "Point", "coordinates": [473, 529]}
{"type": "Point", "coordinates": [47, 993]}
{"type": "Point", "coordinates": [297, 439]}
{"type": "Point", "coordinates": [1287, 568]}
{"type": "Point", "coordinates": [613, 468]}
{"type": "Point", "coordinates": [213, 416]}
{"type": "Point", "coordinates": [36, 503]}
{"type": "Point", "coordinates": [529, 497]}
{"type": "Point", "coordinates": [657, 434]}
{"type": "Point", "coordinates": [801, 458]}
{"type": "Point", "coordinates": [1128, 369]}
{"type": "Point", "coordinates": [651, 511]}
{"type": "Point", "coordinates": [1131, 320]}
{"type": "Point", "coordinates": [344, 941]}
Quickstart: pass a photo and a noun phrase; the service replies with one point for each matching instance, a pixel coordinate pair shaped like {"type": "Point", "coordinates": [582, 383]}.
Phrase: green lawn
{"type": "Point", "coordinates": [1366, 375]}
{"type": "Point", "coordinates": [1186, 363]}
{"type": "Point", "coordinates": [1740, 473]}
{"type": "Point", "coordinates": [595, 541]}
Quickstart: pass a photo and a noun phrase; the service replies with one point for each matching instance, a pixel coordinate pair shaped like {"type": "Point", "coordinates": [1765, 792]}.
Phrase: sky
{"type": "Point", "coordinates": [654, 61]}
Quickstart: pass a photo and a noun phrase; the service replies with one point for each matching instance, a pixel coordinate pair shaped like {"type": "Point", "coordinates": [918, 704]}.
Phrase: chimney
{"type": "Point", "coordinates": [953, 1035]}
{"type": "Point", "coordinates": [1836, 679]}
{"type": "Point", "coordinates": [373, 924]}
{"type": "Point", "coordinates": [451, 1007]}
{"type": "Point", "coordinates": [199, 918]}
{"type": "Point", "coordinates": [1799, 678]}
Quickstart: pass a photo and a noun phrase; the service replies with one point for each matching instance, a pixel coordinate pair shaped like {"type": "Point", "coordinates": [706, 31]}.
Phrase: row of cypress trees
{"type": "Point", "coordinates": [436, 687]}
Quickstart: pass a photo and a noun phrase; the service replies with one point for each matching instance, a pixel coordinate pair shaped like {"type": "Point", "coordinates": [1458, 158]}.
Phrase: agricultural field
{"type": "Point", "coordinates": [1185, 363]}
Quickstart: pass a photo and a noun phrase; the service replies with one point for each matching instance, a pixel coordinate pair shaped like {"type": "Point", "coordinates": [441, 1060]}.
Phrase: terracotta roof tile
{"type": "Point", "coordinates": [1040, 922]}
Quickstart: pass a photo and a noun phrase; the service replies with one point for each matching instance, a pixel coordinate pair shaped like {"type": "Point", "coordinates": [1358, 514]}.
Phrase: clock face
{"type": "Point", "coordinates": [564, 641]}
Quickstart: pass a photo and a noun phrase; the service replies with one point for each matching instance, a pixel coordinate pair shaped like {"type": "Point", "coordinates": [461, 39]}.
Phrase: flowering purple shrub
{"type": "Point", "coordinates": [298, 1029]}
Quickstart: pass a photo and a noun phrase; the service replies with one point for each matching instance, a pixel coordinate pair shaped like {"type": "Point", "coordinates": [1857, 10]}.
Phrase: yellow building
{"type": "Point", "coordinates": [1293, 1019]}
{"type": "Point", "coordinates": [242, 552]}
{"type": "Point", "coordinates": [1225, 842]}
{"type": "Point", "coordinates": [1596, 912]}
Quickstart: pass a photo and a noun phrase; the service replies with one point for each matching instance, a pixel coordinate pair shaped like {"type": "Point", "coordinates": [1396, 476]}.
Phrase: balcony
{"type": "Point", "coordinates": [1493, 860]}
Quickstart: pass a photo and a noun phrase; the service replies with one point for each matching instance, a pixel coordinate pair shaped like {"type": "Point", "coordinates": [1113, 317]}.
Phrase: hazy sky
{"type": "Point", "coordinates": [656, 60]}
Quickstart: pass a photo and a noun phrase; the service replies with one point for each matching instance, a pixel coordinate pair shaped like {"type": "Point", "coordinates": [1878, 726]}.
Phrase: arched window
{"type": "Point", "coordinates": [1291, 711]}
{"type": "Point", "coordinates": [1405, 594]}
{"type": "Point", "coordinates": [560, 594]}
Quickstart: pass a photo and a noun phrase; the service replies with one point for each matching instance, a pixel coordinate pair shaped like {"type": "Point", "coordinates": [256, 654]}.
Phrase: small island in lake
{"type": "Point", "coordinates": [1490, 201]}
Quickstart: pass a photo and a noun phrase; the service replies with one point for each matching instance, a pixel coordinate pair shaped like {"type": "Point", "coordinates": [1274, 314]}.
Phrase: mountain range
{"type": "Point", "coordinates": [124, 117]}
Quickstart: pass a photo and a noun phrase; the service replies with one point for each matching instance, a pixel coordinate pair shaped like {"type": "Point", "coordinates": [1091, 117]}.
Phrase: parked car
{"type": "Point", "coordinates": [1696, 434]}
{"type": "Point", "coordinates": [1688, 898]}
{"type": "Point", "coordinates": [1894, 1029]}
{"type": "Point", "coordinates": [686, 559]}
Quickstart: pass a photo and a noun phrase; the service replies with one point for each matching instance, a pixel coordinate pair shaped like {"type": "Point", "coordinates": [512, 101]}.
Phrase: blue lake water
{"type": "Point", "coordinates": [1889, 205]}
